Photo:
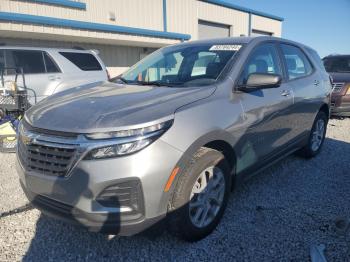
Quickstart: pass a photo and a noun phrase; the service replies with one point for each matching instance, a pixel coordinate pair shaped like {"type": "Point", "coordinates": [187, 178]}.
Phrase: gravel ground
{"type": "Point", "coordinates": [275, 216]}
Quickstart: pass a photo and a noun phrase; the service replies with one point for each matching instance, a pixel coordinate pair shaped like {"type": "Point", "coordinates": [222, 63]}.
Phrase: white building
{"type": "Point", "coordinates": [126, 30]}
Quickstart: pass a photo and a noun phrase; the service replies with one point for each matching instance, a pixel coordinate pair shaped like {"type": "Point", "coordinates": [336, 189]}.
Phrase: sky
{"type": "Point", "coordinates": [321, 24]}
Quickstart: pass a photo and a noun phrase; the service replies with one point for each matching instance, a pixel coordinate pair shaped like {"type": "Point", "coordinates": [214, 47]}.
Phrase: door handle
{"type": "Point", "coordinates": [316, 82]}
{"type": "Point", "coordinates": [285, 93]}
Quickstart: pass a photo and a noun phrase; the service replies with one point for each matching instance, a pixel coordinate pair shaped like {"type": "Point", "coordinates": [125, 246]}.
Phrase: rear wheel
{"type": "Point", "coordinates": [200, 196]}
{"type": "Point", "coordinates": [317, 136]}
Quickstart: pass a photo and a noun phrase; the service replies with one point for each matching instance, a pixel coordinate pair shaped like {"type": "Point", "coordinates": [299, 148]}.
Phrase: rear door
{"type": "Point", "coordinates": [305, 82]}
{"type": "Point", "coordinates": [266, 111]}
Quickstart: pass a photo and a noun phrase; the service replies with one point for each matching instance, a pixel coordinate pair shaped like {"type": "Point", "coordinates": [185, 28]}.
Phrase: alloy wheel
{"type": "Point", "coordinates": [318, 135]}
{"type": "Point", "coordinates": [207, 196]}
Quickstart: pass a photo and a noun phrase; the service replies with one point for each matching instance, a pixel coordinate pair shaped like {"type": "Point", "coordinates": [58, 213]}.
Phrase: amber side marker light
{"type": "Point", "coordinates": [171, 179]}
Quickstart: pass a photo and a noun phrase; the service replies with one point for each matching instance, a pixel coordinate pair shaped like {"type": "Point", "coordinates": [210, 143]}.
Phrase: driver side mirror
{"type": "Point", "coordinates": [261, 81]}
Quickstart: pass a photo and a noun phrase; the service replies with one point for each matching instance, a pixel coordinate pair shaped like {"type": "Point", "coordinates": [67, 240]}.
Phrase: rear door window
{"type": "Point", "coordinates": [51, 66]}
{"type": "Point", "coordinates": [316, 58]}
{"type": "Point", "coordinates": [32, 62]}
{"type": "Point", "coordinates": [84, 61]}
{"type": "Point", "coordinates": [298, 65]}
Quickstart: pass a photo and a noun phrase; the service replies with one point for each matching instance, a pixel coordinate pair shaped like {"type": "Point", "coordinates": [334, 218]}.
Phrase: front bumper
{"type": "Point", "coordinates": [74, 198]}
{"type": "Point", "coordinates": [109, 223]}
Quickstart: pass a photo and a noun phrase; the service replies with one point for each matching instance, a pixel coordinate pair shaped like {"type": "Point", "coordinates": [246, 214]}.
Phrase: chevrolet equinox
{"type": "Point", "coordinates": [172, 135]}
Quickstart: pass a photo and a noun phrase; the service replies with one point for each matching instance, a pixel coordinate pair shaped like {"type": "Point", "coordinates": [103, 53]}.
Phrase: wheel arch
{"type": "Point", "coordinates": [326, 109]}
{"type": "Point", "coordinates": [226, 149]}
{"type": "Point", "coordinates": [219, 140]}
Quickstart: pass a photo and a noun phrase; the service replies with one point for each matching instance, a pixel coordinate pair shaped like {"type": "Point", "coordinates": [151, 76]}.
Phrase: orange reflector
{"type": "Point", "coordinates": [171, 179]}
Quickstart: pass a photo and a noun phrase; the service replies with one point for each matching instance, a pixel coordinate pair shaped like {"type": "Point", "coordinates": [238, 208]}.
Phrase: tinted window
{"type": "Point", "coordinates": [297, 63]}
{"type": "Point", "coordinates": [86, 62]}
{"type": "Point", "coordinates": [264, 59]}
{"type": "Point", "coordinates": [339, 64]}
{"type": "Point", "coordinates": [31, 61]}
{"type": "Point", "coordinates": [51, 67]}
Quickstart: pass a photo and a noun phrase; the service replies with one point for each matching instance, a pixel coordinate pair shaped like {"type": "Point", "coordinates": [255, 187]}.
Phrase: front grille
{"type": "Point", "coordinates": [44, 159]}
{"type": "Point", "coordinates": [337, 87]}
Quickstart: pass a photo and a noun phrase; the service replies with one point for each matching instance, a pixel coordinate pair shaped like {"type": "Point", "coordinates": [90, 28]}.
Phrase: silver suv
{"type": "Point", "coordinates": [173, 135]}
{"type": "Point", "coordinates": [51, 70]}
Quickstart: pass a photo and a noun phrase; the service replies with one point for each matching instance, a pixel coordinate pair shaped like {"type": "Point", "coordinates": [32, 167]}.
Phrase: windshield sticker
{"type": "Point", "coordinates": [225, 48]}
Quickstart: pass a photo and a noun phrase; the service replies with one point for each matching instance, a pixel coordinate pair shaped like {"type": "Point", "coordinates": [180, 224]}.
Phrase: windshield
{"type": "Point", "coordinates": [180, 66]}
{"type": "Point", "coordinates": [339, 64]}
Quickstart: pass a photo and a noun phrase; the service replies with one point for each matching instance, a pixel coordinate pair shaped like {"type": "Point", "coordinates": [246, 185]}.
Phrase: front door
{"type": "Point", "coordinates": [266, 111]}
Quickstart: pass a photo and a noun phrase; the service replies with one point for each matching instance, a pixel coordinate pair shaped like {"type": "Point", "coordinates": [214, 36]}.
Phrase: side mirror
{"type": "Point", "coordinates": [260, 81]}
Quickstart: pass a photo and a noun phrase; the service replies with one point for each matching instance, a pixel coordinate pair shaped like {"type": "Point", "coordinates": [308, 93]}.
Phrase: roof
{"type": "Point", "coordinates": [243, 9]}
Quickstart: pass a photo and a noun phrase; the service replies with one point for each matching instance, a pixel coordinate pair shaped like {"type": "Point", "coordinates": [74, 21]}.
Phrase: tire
{"type": "Point", "coordinates": [310, 150]}
{"type": "Point", "coordinates": [182, 220]}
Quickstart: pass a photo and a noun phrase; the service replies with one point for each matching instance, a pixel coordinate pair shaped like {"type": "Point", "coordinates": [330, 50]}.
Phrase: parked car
{"type": "Point", "coordinates": [163, 142]}
{"type": "Point", "coordinates": [51, 70]}
{"type": "Point", "coordinates": [338, 66]}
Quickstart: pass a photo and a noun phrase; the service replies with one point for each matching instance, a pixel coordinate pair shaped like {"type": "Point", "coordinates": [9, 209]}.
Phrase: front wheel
{"type": "Point", "coordinates": [317, 136]}
{"type": "Point", "coordinates": [200, 196]}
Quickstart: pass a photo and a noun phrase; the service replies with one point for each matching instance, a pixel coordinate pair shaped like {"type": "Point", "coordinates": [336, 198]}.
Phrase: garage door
{"type": "Point", "coordinates": [212, 30]}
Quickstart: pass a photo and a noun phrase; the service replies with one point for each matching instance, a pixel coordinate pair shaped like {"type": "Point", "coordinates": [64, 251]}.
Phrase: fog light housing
{"type": "Point", "coordinates": [127, 196]}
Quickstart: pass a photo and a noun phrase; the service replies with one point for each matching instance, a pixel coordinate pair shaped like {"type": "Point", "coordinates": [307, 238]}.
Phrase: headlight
{"type": "Point", "coordinates": [127, 141]}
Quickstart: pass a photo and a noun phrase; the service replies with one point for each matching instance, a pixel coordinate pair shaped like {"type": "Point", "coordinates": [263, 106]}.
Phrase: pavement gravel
{"type": "Point", "coordinates": [275, 216]}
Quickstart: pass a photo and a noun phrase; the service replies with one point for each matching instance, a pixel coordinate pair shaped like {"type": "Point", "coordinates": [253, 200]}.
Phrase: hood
{"type": "Point", "coordinates": [340, 77]}
{"type": "Point", "coordinates": [110, 106]}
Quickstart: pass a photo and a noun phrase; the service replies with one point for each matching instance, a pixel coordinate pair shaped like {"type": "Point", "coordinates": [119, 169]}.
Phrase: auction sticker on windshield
{"type": "Point", "coordinates": [225, 47]}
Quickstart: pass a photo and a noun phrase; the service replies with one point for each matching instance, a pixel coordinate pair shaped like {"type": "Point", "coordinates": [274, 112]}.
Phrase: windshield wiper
{"type": "Point", "coordinates": [160, 83]}
{"type": "Point", "coordinates": [123, 80]}
{"type": "Point", "coordinates": [150, 83]}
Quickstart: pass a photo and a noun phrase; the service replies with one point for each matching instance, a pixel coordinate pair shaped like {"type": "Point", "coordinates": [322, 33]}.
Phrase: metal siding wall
{"type": "Point", "coordinates": [182, 17]}
{"type": "Point", "coordinates": [239, 21]}
{"type": "Point", "coordinates": [133, 13]}
{"type": "Point", "coordinates": [268, 25]}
